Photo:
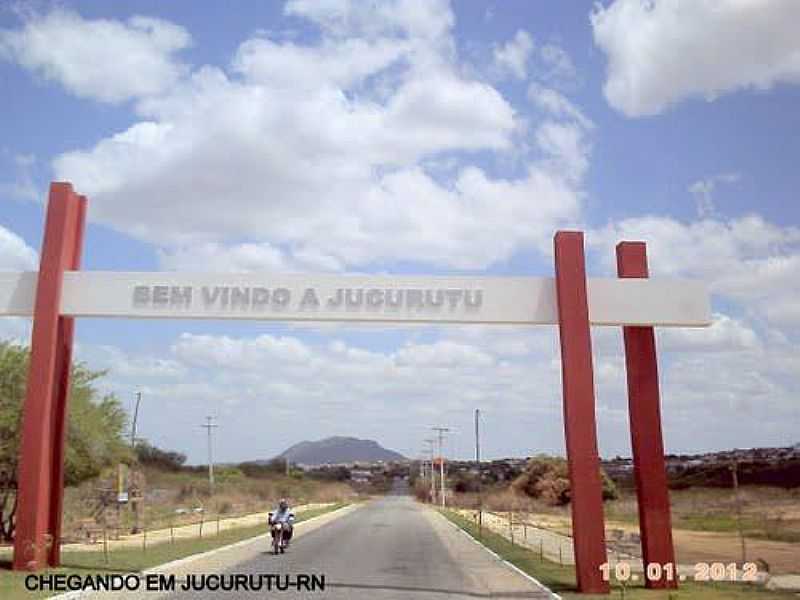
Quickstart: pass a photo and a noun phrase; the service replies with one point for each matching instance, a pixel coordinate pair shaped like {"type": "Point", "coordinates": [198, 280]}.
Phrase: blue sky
{"type": "Point", "coordinates": [415, 137]}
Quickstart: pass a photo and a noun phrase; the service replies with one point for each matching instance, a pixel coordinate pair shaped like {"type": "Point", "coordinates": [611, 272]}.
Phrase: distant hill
{"type": "Point", "coordinates": [339, 449]}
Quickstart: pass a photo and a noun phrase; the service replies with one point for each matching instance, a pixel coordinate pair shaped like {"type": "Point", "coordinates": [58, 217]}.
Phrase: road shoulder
{"type": "Point", "coordinates": [219, 559]}
{"type": "Point", "coordinates": [486, 570]}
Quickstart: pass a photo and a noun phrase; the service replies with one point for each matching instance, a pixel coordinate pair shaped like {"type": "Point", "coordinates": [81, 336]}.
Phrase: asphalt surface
{"type": "Point", "coordinates": [390, 548]}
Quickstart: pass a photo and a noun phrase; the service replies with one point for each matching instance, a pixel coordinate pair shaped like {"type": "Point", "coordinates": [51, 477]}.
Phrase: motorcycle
{"type": "Point", "coordinates": [281, 534]}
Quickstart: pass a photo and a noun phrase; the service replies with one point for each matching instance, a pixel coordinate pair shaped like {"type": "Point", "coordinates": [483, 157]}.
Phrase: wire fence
{"type": "Point", "coordinates": [523, 529]}
{"type": "Point", "coordinates": [201, 525]}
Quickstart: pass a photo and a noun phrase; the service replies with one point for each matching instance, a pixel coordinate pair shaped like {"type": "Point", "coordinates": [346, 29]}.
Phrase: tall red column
{"type": "Point", "coordinates": [46, 377]}
{"type": "Point", "coordinates": [588, 524]}
{"type": "Point", "coordinates": [645, 422]}
{"type": "Point", "coordinates": [66, 329]}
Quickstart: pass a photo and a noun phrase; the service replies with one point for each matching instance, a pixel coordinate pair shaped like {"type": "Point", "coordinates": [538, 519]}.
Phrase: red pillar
{"type": "Point", "coordinates": [66, 329]}
{"type": "Point", "coordinates": [645, 421]}
{"type": "Point", "coordinates": [48, 352]}
{"type": "Point", "coordinates": [588, 524]}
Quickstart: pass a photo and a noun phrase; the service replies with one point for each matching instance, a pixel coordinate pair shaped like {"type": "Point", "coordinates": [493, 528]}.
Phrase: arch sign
{"type": "Point", "coordinates": [59, 292]}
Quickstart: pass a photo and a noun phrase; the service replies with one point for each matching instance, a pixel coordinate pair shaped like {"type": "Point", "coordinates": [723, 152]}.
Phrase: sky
{"type": "Point", "coordinates": [402, 137]}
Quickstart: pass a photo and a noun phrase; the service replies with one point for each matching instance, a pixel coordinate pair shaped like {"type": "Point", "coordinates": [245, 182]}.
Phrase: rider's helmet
{"type": "Point", "coordinates": [283, 504]}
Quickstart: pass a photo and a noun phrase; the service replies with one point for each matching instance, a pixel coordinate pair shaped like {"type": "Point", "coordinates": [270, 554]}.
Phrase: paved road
{"type": "Point", "coordinates": [390, 548]}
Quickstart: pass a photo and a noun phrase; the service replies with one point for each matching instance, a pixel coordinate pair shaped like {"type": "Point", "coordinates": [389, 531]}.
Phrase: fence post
{"type": "Point", "coordinates": [201, 525]}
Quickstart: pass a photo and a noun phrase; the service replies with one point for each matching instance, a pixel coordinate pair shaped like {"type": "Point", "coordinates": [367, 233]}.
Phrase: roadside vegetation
{"type": "Point", "coordinates": [768, 513]}
{"type": "Point", "coordinates": [95, 431]}
{"type": "Point", "coordinates": [543, 482]}
{"type": "Point", "coordinates": [561, 579]}
{"type": "Point", "coordinates": [135, 560]}
{"type": "Point", "coordinates": [178, 495]}
{"type": "Point", "coordinates": [100, 463]}
{"type": "Point", "coordinates": [704, 518]}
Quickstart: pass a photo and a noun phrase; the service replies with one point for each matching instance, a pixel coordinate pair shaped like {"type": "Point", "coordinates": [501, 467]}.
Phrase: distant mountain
{"type": "Point", "coordinates": [339, 449]}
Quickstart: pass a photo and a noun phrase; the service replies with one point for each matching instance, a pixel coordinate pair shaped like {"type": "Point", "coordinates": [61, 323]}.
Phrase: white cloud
{"type": "Point", "coordinates": [663, 51]}
{"type": "Point", "coordinates": [748, 382]}
{"type": "Point", "coordinates": [15, 254]}
{"type": "Point", "coordinates": [22, 187]}
{"type": "Point", "coordinates": [15, 329]}
{"type": "Point", "coordinates": [223, 351]}
{"type": "Point", "coordinates": [566, 144]}
{"type": "Point", "coordinates": [213, 257]}
{"type": "Point", "coordinates": [558, 66]}
{"type": "Point", "coordinates": [555, 103]}
{"type": "Point", "coordinates": [703, 192]}
{"type": "Point", "coordinates": [429, 20]}
{"type": "Point", "coordinates": [350, 389]}
{"type": "Point", "coordinates": [726, 334]}
{"type": "Point", "coordinates": [512, 57]}
{"type": "Point", "coordinates": [319, 154]}
{"type": "Point", "coordinates": [287, 66]}
{"type": "Point", "coordinates": [746, 260]}
{"type": "Point", "coordinates": [130, 367]}
{"type": "Point", "coordinates": [100, 59]}
{"type": "Point", "coordinates": [442, 354]}
{"type": "Point", "coordinates": [513, 375]}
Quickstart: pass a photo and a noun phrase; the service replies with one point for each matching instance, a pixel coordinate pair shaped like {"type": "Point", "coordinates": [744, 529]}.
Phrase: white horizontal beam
{"type": "Point", "coordinates": [281, 297]}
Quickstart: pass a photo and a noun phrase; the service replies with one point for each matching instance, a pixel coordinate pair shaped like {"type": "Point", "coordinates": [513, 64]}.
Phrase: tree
{"type": "Point", "coordinates": [547, 478]}
{"type": "Point", "coordinates": [152, 456]}
{"type": "Point", "coordinates": [95, 428]}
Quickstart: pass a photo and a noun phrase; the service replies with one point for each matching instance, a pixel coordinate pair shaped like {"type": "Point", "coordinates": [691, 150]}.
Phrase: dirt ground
{"type": "Point", "coordinates": [708, 534]}
{"type": "Point", "coordinates": [702, 546]}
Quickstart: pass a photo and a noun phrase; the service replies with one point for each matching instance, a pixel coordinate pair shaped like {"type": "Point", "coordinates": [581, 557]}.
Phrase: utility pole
{"type": "Point", "coordinates": [430, 442]}
{"type": "Point", "coordinates": [478, 465]}
{"type": "Point", "coordinates": [441, 431]}
{"type": "Point", "coordinates": [135, 417]}
{"type": "Point", "coordinates": [209, 425]}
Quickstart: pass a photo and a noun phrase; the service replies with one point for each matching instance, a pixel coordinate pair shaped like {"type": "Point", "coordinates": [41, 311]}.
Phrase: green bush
{"type": "Point", "coordinates": [165, 460]}
{"type": "Point", "coordinates": [95, 426]}
{"type": "Point", "coordinates": [225, 475]}
{"type": "Point", "coordinates": [547, 478]}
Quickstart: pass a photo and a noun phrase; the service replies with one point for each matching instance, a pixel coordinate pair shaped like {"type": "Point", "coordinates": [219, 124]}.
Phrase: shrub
{"type": "Point", "coordinates": [547, 478]}
{"type": "Point", "coordinates": [166, 460]}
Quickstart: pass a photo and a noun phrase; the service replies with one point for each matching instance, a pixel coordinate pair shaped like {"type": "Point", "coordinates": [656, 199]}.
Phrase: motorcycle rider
{"type": "Point", "coordinates": [285, 517]}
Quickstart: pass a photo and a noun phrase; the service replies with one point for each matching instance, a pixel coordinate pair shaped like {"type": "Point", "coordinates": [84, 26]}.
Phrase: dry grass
{"type": "Point", "coordinates": [561, 579]}
{"type": "Point", "coordinates": [705, 527]}
{"type": "Point", "coordinates": [768, 513]}
{"type": "Point", "coordinates": [168, 492]}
